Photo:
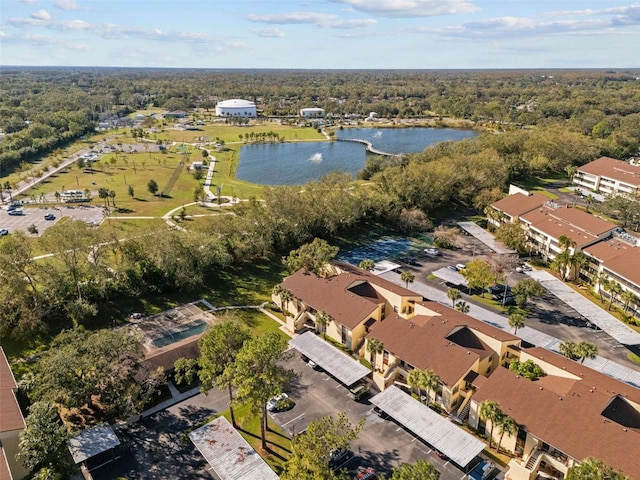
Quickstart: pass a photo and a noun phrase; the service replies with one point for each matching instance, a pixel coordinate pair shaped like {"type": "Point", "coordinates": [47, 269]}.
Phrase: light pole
{"type": "Point", "coordinates": [506, 285]}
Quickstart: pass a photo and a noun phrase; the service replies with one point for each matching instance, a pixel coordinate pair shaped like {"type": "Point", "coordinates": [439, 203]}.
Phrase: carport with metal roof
{"type": "Point", "coordinates": [460, 446]}
{"type": "Point", "coordinates": [229, 455]}
{"type": "Point", "coordinates": [335, 362]}
{"type": "Point", "coordinates": [485, 237]}
{"type": "Point", "coordinates": [449, 276]}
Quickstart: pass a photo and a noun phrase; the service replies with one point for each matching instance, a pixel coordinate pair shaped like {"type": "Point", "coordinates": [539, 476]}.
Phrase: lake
{"type": "Point", "coordinates": [300, 162]}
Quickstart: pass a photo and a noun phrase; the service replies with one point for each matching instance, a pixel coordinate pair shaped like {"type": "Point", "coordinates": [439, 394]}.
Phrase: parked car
{"type": "Point", "coordinates": [358, 391]}
{"type": "Point", "coordinates": [365, 474]}
{"type": "Point", "coordinates": [523, 268]}
{"type": "Point", "coordinates": [338, 457]}
{"type": "Point", "coordinates": [482, 470]}
{"type": "Point", "coordinates": [3, 232]}
{"type": "Point", "coordinates": [461, 266]}
{"type": "Point", "coordinates": [498, 288]}
{"type": "Point", "coordinates": [16, 211]}
{"type": "Point", "coordinates": [280, 403]}
{"type": "Point", "coordinates": [441, 455]}
{"type": "Point", "coordinates": [432, 251]}
{"type": "Point", "coordinates": [409, 261]}
{"type": "Point", "coordinates": [49, 216]}
{"type": "Point", "coordinates": [136, 316]}
{"type": "Point", "coordinates": [507, 299]}
{"type": "Point", "coordinates": [452, 268]}
{"type": "Point", "coordinates": [381, 413]}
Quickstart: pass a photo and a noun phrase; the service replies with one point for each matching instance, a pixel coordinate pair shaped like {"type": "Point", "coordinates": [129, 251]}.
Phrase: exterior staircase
{"type": "Point", "coordinates": [533, 459]}
{"type": "Point", "coordinates": [464, 413]}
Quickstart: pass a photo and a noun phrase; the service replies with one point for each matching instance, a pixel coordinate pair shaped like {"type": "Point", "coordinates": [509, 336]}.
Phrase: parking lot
{"type": "Point", "coordinates": [383, 444]}
{"type": "Point", "coordinates": [35, 216]}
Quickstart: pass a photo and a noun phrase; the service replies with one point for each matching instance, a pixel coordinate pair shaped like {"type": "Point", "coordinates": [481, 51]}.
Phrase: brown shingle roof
{"type": "Point", "coordinates": [618, 257]}
{"type": "Point", "coordinates": [582, 227]}
{"type": "Point", "coordinates": [519, 204]}
{"type": "Point", "coordinates": [615, 169]}
{"type": "Point", "coordinates": [445, 343]}
{"type": "Point", "coordinates": [349, 296]}
{"type": "Point", "coordinates": [572, 419]}
{"type": "Point", "coordinates": [10, 414]}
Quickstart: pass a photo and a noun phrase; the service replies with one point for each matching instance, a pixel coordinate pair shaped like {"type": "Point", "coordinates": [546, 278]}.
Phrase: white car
{"type": "Point", "coordinates": [461, 266]}
{"type": "Point", "coordinates": [523, 268]}
{"type": "Point", "coordinates": [279, 403]}
{"type": "Point", "coordinates": [432, 251]}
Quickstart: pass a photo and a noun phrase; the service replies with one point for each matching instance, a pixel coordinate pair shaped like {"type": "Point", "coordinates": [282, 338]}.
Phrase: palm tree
{"type": "Point", "coordinates": [430, 381]}
{"type": "Point", "coordinates": [516, 320]}
{"type": "Point", "coordinates": [628, 297]}
{"type": "Point", "coordinates": [560, 264]}
{"type": "Point", "coordinates": [367, 264]}
{"type": "Point", "coordinates": [490, 410]}
{"type": "Point", "coordinates": [586, 350]}
{"type": "Point", "coordinates": [407, 277]}
{"type": "Point", "coordinates": [285, 297]}
{"type": "Point", "coordinates": [454, 295]}
{"type": "Point", "coordinates": [599, 280]}
{"type": "Point", "coordinates": [576, 262]}
{"type": "Point", "coordinates": [462, 307]}
{"type": "Point", "coordinates": [506, 425]}
{"type": "Point", "coordinates": [322, 319]}
{"type": "Point", "coordinates": [614, 290]}
{"type": "Point", "coordinates": [569, 349]}
{"type": "Point", "coordinates": [414, 379]}
{"type": "Point", "coordinates": [566, 243]}
{"type": "Point", "coordinates": [375, 347]}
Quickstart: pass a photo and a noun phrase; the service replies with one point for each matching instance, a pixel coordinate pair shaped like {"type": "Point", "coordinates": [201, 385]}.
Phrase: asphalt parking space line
{"type": "Point", "coordinates": [293, 420]}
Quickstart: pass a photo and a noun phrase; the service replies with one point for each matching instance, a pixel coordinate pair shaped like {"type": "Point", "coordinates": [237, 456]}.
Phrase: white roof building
{"type": "Point", "coordinates": [236, 107]}
{"type": "Point", "coordinates": [312, 112]}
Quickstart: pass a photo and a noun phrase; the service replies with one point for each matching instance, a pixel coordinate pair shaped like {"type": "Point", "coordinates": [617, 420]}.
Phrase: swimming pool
{"type": "Point", "coordinates": [176, 336]}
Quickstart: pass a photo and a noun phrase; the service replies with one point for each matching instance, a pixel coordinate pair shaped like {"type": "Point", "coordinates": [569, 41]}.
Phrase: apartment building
{"type": "Point", "coordinates": [609, 176]}
{"type": "Point", "coordinates": [567, 415]}
{"type": "Point", "coordinates": [11, 424]}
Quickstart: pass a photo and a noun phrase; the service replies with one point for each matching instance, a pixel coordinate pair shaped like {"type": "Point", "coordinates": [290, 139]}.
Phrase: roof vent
{"type": "Point", "coordinates": [560, 398]}
{"type": "Point", "coordinates": [540, 388]}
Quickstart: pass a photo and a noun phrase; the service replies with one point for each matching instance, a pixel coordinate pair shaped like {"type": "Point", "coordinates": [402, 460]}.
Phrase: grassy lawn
{"type": "Point", "coordinates": [258, 322]}
{"type": "Point", "coordinates": [278, 443]}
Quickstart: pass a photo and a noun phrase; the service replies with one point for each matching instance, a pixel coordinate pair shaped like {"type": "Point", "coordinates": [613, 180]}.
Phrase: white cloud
{"type": "Point", "coordinates": [322, 20]}
{"type": "Point", "coordinates": [29, 2]}
{"type": "Point", "coordinates": [411, 8]}
{"type": "Point", "coordinates": [72, 25]}
{"type": "Point", "coordinates": [42, 15]}
{"type": "Point", "coordinates": [67, 5]}
{"type": "Point", "coordinates": [274, 32]}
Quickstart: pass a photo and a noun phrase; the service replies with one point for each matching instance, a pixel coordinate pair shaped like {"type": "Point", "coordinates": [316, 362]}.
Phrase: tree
{"type": "Point", "coordinates": [100, 369]}
{"type": "Point", "coordinates": [594, 469]}
{"type": "Point", "coordinates": [310, 452]}
{"type": "Point", "coordinates": [560, 264]}
{"type": "Point", "coordinates": [599, 280]}
{"type": "Point", "coordinates": [430, 382]}
{"type": "Point", "coordinates": [421, 470]}
{"type": "Point", "coordinates": [586, 350]}
{"type": "Point", "coordinates": [462, 307]}
{"type": "Point", "coordinates": [375, 347]}
{"type": "Point", "coordinates": [152, 186]}
{"type": "Point", "coordinates": [527, 369]}
{"type": "Point", "coordinates": [43, 443]}
{"type": "Point", "coordinates": [185, 370]}
{"type": "Point", "coordinates": [323, 319]}
{"type": "Point", "coordinates": [569, 349]}
{"type": "Point", "coordinates": [571, 171]}
{"type": "Point", "coordinates": [454, 295]}
{"type": "Point", "coordinates": [478, 274]}
{"type": "Point", "coordinates": [414, 380]}
{"type": "Point", "coordinates": [506, 425]}
{"type": "Point", "coordinates": [566, 243]}
{"type": "Point", "coordinates": [367, 264]}
{"type": "Point", "coordinates": [112, 196]}
{"type": "Point", "coordinates": [490, 411]}
{"type": "Point", "coordinates": [628, 297]}
{"type": "Point", "coordinates": [314, 257]}
{"type": "Point", "coordinates": [257, 376]}
{"type": "Point", "coordinates": [615, 289]}
{"type": "Point", "coordinates": [131, 191]}
{"type": "Point", "coordinates": [219, 347]}
{"type": "Point", "coordinates": [516, 321]}
{"type": "Point", "coordinates": [525, 289]}
{"type": "Point", "coordinates": [407, 277]}
{"type": "Point", "coordinates": [512, 235]}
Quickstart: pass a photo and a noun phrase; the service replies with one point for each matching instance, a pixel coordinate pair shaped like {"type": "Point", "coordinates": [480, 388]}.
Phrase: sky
{"type": "Point", "coordinates": [321, 34]}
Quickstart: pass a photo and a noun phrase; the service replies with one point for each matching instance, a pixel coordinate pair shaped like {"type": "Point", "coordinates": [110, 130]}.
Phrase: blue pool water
{"type": "Point", "coordinates": [181, 335]}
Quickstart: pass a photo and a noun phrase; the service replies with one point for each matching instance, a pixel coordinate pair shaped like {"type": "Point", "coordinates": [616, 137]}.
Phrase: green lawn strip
{"type": "Point", "coordinates": [258, 322]}
{"type": "Point", "coordinates": [633, 357]}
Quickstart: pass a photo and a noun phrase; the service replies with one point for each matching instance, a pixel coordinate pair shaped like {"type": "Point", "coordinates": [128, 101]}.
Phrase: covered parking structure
{"type": "Point", "coordinates": [461, 447]}
{"type": "Point", "coordinates": [485, 237]}
{"type": "Point", "coordinates": [94, 447]}
{"type": "Point", "coordinates": [229, 455]}
{"type": "Point", "coordinates": [449, 276]}
{"type": "Point", "coordinates": [335, 362]}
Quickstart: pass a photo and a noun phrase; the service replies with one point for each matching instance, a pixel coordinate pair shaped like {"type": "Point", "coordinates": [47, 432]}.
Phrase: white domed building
{"type": "Point", "coordinates": [236, 107]}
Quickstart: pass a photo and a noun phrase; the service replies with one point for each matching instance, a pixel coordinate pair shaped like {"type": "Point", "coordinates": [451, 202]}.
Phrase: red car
{"type": "Point", "coordinates": [366, 474]}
